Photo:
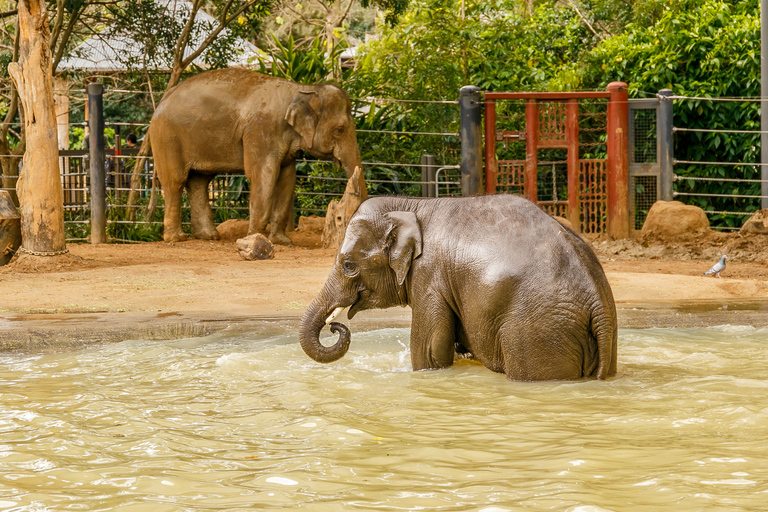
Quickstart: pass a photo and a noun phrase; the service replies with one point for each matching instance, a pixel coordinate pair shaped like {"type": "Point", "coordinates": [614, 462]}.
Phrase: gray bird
{"type": "Point", "coordinates": [717, 267]}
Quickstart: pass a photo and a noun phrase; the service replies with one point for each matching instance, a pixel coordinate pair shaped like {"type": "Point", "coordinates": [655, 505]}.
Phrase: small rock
{"type": "Point", "coordinates": [565, 222]}
{"type": "Point", "coordinates": [233, 229]}
{"type": "Point", "coordinates": [757, 224]}
{"type": "Point", "coordinates": [255, 247]}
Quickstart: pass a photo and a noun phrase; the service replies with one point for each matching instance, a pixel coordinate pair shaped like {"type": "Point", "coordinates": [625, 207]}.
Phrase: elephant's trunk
{"type": "Point", "coordinates": [309, 333]}
{"type": "Point", "coordinates": [349, 155]}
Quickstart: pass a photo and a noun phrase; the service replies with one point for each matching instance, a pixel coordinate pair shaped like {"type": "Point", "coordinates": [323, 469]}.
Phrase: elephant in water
{"type": "Point", "coordinates": [492, 276]}
{"type": "Point", "coordinates": [235, 120]}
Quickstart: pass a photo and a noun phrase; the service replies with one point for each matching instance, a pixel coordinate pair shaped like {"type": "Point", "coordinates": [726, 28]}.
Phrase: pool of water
{"type": "Point", "coordinates": [246, 421]}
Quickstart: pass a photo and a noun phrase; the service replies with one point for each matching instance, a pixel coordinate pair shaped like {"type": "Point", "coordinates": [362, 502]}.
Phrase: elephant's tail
{"type": "Point", "coordinates": [152, 205]}
{"type": "Point", "coordinates": [605, 332]}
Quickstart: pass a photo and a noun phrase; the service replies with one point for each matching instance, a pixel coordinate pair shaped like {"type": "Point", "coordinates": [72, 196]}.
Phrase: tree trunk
{"type": "Point", "coordinates": [39, 185]}
{"type": "Point", "coordinates": [339, 212]}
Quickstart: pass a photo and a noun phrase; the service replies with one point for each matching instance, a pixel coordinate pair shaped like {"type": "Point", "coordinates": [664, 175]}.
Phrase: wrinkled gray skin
{"type": "Point", "coordinates": [492, 276]}
{"type": "Point", "coordinates": [234, 120]}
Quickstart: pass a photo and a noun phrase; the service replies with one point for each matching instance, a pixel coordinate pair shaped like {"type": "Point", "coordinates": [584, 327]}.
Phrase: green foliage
{"type": "Point", "coordinates": [703, 49]}
{"type": "Point", "coordinates": [305, 66]}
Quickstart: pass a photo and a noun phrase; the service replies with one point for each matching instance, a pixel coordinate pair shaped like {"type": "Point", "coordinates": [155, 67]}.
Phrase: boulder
{"type": "Point", "coordinates": [673, 221]}
{"type": "Point", "coordinates": [339, 212]}
{"type": "Point", "coordinates": [10, 228]}
{"type": "Point", "coordinates": [757, 224]}
{"type": "Point", "coordinates": [255, 247]}
{"type": "Point", "coordinates": [233, 229]}
{"type": "Point", "coordinates": [311, 224]}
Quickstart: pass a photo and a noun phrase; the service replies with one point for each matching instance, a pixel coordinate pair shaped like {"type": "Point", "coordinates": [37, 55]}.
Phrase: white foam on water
{"type": "Point", "coordinates": [730, 481]}
{"type": "Point", "coordinates": [281, 480]}
{"type": "Point", "coordinates": [588, 508]}
{"type": "Point", "coordinates": [4, 503]}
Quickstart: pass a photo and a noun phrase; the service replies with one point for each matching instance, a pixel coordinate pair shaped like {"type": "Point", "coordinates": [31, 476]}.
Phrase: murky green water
{"type": "Point", "coordinates": [248, 422]}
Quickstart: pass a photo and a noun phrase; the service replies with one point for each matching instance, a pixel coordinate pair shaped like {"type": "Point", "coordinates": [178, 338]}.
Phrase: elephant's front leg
{"type": "Point", "coordinates": [263, 174]}
{"type": "Point", "coordinates": [282, 206]}
{"type": "Point", "coordinates": [433, 333]}
{"type": "Point", "coordinates": [200, 206]}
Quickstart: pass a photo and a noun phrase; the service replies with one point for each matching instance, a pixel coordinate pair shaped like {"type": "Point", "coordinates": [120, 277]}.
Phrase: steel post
{"type": "Point", "coordinates": [764, 102]}
{"type": "Point", "coordinates": [470, 102]}
{"type": "Point", "coordinates": [97, 187]}
{"type": "Point", "coordinates": [428, 170]}
{"type": "Point", "coordinates": [617, 166]}
{"type": "Point", "coordinates": [666, 155]}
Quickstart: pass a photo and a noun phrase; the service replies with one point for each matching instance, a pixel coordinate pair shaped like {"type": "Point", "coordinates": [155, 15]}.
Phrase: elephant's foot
{"type": "Point", "coordinates": [280, 239]}
{"type": "Point", "coordinates": [174, 236]}
{"type": "Point", "coordinates": [206, 234]}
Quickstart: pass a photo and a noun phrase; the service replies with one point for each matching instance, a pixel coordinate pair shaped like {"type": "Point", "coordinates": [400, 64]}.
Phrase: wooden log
{"type": "Point", "coordinates": [339, 212]}
{"type": "Point", "coordinates": [10, 228]}
{"type": "Point", "coordinates": [255, 247]}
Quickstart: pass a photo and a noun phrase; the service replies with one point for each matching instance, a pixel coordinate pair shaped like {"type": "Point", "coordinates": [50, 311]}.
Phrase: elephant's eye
{"type": "Point", "coordinates": [350, 269]}
{"type": "Point", "coordinates": [339, 131]}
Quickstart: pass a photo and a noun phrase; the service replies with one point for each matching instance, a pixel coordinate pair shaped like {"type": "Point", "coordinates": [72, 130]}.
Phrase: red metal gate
{"type": "Point", "coordinates": [596, 187]}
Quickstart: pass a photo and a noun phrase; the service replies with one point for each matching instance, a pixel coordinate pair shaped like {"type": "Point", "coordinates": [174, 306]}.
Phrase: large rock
{"type": "Point", "coordinates": [339, 212]}
{"type": "Point", "coordinates": [673, 221]}
{"type": "Point", "coordinates": [233, 229]}
{"type": "Point", "coordinates": [10, 228]}
{"type": "Point", "coordinates": [255, 247]}
{"type": "Point", "coordinates": [311, 224]}
{"type": "Point", "coordinates": [757, 224]}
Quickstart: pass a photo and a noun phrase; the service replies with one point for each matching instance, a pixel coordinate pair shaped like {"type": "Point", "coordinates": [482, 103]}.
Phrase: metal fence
{"type": "Point", "coordinates": [727, 186]}
{"type": "Point", "coordinates": [318, 182]}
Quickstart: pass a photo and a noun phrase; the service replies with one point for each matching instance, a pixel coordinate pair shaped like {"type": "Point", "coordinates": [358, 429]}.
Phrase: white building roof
{"type": "Point", "coordinates": [101, 53]}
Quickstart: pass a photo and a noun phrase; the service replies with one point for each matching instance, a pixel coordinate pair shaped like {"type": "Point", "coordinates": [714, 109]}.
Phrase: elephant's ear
{"type": "Point", "coordinates": [403, 242]}
{"type": "Point", "coordinates": [302, 115]}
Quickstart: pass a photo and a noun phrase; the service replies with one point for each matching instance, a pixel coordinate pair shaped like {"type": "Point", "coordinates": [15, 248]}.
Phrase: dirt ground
{"type": "Point", "coordinates": [160, 290]}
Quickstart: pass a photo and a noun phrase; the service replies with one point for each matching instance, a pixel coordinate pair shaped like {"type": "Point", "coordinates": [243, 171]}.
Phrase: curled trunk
{"type": "Point", "coordinates": [309, 335]}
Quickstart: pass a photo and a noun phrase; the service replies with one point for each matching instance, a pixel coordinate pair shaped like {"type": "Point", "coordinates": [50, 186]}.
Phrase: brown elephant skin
{"type": "Point", "coordinates": [491, 276]}
{"type": "Point", "coordinates": [235, 120]}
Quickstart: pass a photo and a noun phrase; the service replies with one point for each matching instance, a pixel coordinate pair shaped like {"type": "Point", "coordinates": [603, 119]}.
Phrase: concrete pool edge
{"type": "Point", "coordinates": [32, 331]}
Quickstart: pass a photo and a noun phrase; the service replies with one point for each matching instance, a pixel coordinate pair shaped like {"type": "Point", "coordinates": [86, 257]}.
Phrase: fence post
{"type": "Point", "coordinates": [491, 162]}
{"type": "Point", "coordinates": [618, 162]}
{"type": "Point", "coordinates": [666, 155]}
{"type": "Point", "coordinates": [470, 101]}
{"type": "Point", "coordinates": [428, 169]}
{"type": "Point", "coordinates": [96, 147]}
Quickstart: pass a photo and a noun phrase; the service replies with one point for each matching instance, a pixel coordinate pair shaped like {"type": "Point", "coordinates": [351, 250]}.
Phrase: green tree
{"type": "Point", "coordinates": [698, 48]}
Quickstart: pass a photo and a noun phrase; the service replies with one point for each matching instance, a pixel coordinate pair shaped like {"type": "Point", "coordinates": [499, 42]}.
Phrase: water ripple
{"type": "Point", "coordinates": [249, 422]}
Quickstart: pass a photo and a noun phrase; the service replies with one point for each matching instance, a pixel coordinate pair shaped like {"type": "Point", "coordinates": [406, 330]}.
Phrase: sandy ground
{"type": "Point", "coordinates": [161, 291]}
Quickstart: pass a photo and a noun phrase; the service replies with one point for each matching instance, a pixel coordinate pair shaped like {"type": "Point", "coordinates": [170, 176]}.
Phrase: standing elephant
{"type": "Point", "coordinates": [492, 276]}
{"type": "Point", "coordinates": [235, 120]}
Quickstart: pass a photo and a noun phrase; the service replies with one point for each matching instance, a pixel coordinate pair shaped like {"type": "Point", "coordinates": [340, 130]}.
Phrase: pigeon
{"type": "Point", "coordinates": [717, 267]}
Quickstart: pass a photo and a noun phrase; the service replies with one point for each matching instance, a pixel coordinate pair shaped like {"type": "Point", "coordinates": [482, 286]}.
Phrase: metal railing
{"type": "Point", "coordinates": [693, 179]}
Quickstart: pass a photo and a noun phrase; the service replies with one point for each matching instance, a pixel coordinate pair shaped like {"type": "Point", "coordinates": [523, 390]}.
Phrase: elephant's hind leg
{"type": "Point", "coordinates": [172, 231]}
{"type": "Point", "coordinates": [540, 352]}
{"type": "Point", "coordinates": [200, 206]}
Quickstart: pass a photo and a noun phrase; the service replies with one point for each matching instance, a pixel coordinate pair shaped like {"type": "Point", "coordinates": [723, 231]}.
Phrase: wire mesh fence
{"type": "Point", "coordinates": [317, 183]}
{"type": "Point", "coordinates": [716, 167]}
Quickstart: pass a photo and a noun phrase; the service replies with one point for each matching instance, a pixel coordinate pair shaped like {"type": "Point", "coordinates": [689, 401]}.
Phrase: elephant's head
{"type": "Point", "coordinates": [322, 117]}
{"type": "Point", "coordinates": [372, 270]}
